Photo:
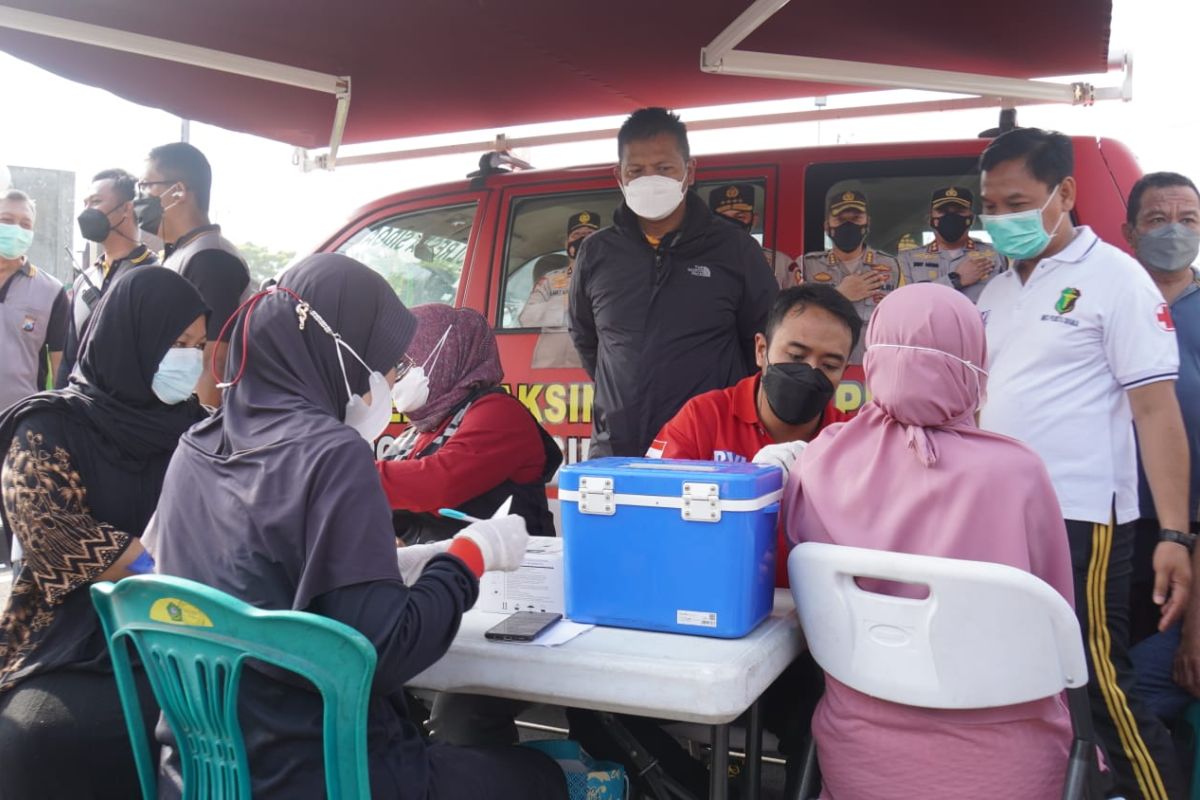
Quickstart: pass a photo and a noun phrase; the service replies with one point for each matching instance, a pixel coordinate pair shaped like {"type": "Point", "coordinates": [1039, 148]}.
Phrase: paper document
{"type": "Point", "coordinates": [560, 632]}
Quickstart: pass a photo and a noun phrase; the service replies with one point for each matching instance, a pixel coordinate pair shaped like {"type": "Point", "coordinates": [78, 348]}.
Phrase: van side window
{"type": "Point", "coordinates": [539, 253]}
{"type": "Point", "coordinates": [898, 198]}
{"type": "Point", "coordinates": [537, 267]}
{"type": "Point", "coordinates": [421, 253]}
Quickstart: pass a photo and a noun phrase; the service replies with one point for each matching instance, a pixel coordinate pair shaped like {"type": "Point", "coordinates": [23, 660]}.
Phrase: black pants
{"type": "Point", "coordinates": [62, 735]}
{"type": "Point", "coordinates": [499, 773]}
{"type": "Point", "coordinates": [1138, 746]}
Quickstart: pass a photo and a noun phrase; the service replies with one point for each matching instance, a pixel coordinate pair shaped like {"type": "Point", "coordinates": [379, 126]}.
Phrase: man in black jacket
{"type": "Point", "coordinates": [664, 304]}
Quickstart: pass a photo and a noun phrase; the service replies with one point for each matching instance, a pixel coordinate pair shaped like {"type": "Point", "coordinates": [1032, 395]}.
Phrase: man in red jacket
{"type": "Point", "coordinates": [810, 334]}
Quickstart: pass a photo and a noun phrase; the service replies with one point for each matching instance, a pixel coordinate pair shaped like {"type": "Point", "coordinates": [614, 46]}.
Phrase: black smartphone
{"type": "Point", "coordinates": [523, 626]}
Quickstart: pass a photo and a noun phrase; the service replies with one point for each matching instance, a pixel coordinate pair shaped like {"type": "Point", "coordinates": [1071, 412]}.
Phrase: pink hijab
{"type": "Point", "coordinates": [912, 473]}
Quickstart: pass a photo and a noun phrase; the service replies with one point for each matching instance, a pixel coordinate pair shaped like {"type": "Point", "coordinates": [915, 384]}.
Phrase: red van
{"type": "Point", "coordinates": [480, 242]}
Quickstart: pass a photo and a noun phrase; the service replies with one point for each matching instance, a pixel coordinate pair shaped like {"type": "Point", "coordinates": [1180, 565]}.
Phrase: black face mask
{"type": "Point", "coordinates": [952, 226]}
{"type": "Point", "coordinates": [796, 392]}
{"type": "Point", "coordinates": [848, 236]}
{"type": "Point", "coordinates": [94, 225]}
{"type": "Point", "coordinates": [149, 213]}
{"type": "Point", "coordinates": [573, 247]}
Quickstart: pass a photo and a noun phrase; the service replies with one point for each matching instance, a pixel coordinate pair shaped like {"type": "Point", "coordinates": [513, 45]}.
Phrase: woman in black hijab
{"type": "Point", "coordinates": [276, 500]}
{"type": "Point", "coordinates": [81, 478]}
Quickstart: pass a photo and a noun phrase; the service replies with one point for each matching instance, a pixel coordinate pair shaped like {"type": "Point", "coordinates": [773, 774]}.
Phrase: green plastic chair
{"type": "Point", "coordinates": [1192, 717]}
{"type": "Point", "coordinates": [193, 641]}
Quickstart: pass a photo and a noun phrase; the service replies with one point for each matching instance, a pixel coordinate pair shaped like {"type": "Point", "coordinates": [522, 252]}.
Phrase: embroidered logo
{"type": "Point", "coordinates": [700, 271]}
{"type": "Point", "coordinates": [1066, 301]}
{"type": "Point", "coordinates": [28, 324]}
{"type": "Point", "coordinates": [823, 277]}
{"type": "Point", "coordinates": [1164, 318]}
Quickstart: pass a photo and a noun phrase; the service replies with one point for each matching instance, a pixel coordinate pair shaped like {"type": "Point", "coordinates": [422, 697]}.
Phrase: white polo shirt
{"type": "Point", "coordinates": [1063, 350]}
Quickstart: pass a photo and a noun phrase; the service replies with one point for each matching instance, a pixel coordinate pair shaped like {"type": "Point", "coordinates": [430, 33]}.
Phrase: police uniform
{"type": "Point", "coordinates": [739, 197]}
{"type": "Point", "coordinates": [547, 303]}
{"type": "Point", "coordinates": [831, 267]}
{"type": "Point", "coordinates": [934, 263]}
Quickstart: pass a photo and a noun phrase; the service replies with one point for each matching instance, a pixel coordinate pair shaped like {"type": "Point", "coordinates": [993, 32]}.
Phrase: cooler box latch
{"type": "Point", "coordinates": [596, 496]}
{"type": "Point", "coordinates": [701, 502]}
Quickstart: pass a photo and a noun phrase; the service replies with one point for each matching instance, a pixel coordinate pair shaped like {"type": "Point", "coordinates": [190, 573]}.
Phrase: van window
{"type": "Point", "coordinates": [421, 253]}
{"type": "Point", "coordinates": [536, 263]}
{"type": "Point", "coordinates": [898, 198]}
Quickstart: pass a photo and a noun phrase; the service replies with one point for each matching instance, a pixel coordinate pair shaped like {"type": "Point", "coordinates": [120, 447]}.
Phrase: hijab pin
{"type": "Point", "coordinates": [302, 313]}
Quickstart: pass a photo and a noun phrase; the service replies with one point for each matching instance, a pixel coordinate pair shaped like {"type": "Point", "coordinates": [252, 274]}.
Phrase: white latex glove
{"type": "Point", "coordinates": [501, 540]}
{"type": "Point", "coordinates": [413, 558]}
{"type": "Point", "coordinates": [780, 455]}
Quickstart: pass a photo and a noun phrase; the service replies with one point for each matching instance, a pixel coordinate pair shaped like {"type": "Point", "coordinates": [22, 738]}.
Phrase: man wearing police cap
{"type": "Point", "coordinates": [735, 202]}
{"type": "Point", "coordinates": [861, 273]}
{"type": "Point", "coordinates": [547, 303]}
{"type": "Point", "coordinates": [953, 258]}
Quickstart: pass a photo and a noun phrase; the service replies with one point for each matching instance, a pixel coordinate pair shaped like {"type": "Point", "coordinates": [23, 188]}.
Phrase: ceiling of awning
{"type": "Point", "coordinates": [436, 66]}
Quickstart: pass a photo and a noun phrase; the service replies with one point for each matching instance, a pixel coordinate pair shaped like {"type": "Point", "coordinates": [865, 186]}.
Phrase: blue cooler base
{"type": "Point", "coordinates": [649, 569]}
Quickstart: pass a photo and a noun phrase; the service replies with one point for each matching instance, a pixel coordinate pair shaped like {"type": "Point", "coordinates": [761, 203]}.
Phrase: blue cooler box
{"type": "Point", "coordinates": [678, 546]}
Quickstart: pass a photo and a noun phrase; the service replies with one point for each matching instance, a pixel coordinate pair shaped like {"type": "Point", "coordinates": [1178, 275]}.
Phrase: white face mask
{"type": "Point", "coordinates": [977, 370]}
{"type": "Point", "coordinates": [653, 197]}
{"type": "Point", "coordinates": [411, 390]}
{"type": "Point", "coordinates": [369, 419]}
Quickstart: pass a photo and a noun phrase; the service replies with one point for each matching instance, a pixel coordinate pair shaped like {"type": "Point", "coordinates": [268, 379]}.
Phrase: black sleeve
{"type": "Point", "coordinates": [411, 627]}
{"type": "Point", "coordinates": [220, 278]}
{"type": "Point", "coordinates": [70, 355]}
{"type": "Point", "coordinates": [761, 288]}
{"type": "Point", "coordinates": [582, 324]}
{"type": "Point", "coordinates": [56, 329]}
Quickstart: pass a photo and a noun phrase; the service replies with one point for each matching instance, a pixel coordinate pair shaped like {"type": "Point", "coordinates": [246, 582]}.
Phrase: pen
{"type": "Point", "coordinates": [454, 513]}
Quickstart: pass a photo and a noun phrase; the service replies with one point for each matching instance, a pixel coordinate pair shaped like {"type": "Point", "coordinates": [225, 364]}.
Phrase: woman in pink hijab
{"type": "Point", "coordinates": [912, 473]}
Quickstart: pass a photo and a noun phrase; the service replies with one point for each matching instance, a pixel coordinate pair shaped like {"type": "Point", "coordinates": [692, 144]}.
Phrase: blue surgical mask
{"type": "Point", "coordinates": [14, 241]}
{"type": "Point", "coordinates": [177, 375]}
{"type": "Point", "coordinates": [1021, 235]}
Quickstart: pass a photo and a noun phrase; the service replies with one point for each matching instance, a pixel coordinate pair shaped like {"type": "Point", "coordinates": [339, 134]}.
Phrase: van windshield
{"type": "Point", "coordinates": [420, 254]}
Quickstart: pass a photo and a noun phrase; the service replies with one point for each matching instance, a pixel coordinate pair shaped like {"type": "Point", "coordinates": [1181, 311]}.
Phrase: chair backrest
{"type": "Point", "coordinates": [986, 635]}
{"type": "Point", "coordinates": [193, 641]}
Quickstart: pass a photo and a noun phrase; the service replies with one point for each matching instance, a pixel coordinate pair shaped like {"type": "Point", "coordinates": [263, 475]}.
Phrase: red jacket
{"type": "Point", "coordinates": [497, 441]}
{"type": "Point", "coordinates": [723, 425]}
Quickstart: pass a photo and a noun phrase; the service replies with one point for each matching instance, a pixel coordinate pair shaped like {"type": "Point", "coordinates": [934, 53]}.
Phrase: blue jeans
{"type": "Point", "coordinates": [1152, 660]}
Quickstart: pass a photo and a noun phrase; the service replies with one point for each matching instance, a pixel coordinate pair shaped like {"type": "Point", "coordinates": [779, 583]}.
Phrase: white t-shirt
{"type": "Point", "coordinates": [1063, 350]}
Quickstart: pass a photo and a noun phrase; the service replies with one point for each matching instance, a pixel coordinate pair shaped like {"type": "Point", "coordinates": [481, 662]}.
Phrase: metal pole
{"type": "Point", "coordinates": [718, 769]}
{"type": "Point", "coordinates": [752, 786]}
{"type": "Point", "coordinates": [185, 130]}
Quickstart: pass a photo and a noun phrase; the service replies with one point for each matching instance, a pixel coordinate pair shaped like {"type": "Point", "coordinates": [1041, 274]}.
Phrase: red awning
{"type": "Point", "coordinates": [436, 66]}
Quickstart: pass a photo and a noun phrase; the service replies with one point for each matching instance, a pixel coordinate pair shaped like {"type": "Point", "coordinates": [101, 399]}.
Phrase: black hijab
{"type": "Point", "coordinates": [136, 322]}
{"type": "Point", "coordinates": [293, 507]}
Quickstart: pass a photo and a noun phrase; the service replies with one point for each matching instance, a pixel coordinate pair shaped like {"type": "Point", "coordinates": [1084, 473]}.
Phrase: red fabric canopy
{"type": "Point", "coordinates": [435, 66]}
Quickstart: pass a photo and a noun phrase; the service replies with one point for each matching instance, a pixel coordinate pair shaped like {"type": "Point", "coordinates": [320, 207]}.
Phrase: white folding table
{"type": "Point", "coordinates": [670, 676]}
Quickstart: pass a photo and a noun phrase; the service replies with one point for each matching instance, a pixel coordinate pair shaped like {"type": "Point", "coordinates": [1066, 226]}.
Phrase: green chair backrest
{"type": "Point", "coordinates": [193, 641]}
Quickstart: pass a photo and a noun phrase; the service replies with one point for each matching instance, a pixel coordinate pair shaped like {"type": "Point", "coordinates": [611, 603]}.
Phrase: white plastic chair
{"type": "Point", "coordinates": [987, 635]}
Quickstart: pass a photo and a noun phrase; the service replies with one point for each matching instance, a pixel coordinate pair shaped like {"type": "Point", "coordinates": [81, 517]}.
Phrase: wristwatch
{"type": "Point", "coordinates": [1188, 540]}
{"type": "Point", "coordinates": [955, 280]}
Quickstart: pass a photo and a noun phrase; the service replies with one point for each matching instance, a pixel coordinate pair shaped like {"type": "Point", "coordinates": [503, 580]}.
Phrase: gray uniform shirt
{"type": "Point", "coordinates": [829, 267]}
{"type": "Point", "coordinates": [934, 263]}
{"type": "Point", "coordinates": [27, 325]}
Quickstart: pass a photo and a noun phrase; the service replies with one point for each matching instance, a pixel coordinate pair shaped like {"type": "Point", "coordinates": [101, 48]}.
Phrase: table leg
{"type": "Point", "coordinates": [718, 771]}
{"type": "Point", "coordinates": [752, 787]}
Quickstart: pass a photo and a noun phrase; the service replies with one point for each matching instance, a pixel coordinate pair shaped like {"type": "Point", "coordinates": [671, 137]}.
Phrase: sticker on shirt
{"type": "Point", "coordinates": [1163, 316]}
{"type": "Point", "coordinates": [656, 448]}
{"type": "Point", "coordinates": [28, 324]}
{"type": "Point", "coordinates": [1065, 305]}
{"type": "Point", "coordinates": [728, 456]}
{"type": "Point", "coordinates": [700, 271]}
{"type": "Point", "coordinates": [1067, 300]}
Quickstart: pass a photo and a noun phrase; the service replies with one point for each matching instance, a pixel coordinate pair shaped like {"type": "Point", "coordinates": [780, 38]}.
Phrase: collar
{"type": "Point", "coordinates": [1191, 288]}
{"type": "Point", "coordinates": [136, 257]}
{"type": "Point", "coordinates": [27, 269]}
{"type": "Point", "coordinates": [933, 246]}
{"type": "Point", "coordinates": [1078, 249]}
{"type": "Point", "coordinates": [868, 257]}
{"type": "Point", "coordinates": [192, 234]}
{"type": "Point", "coordinates": [744, 399]}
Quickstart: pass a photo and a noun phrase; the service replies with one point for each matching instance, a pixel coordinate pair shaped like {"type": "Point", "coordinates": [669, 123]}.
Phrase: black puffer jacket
{"type": "Point", "coordinates": [658, 326]}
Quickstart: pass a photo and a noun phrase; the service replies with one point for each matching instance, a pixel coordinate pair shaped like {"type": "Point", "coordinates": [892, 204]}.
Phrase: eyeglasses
{"type": "Point", "coordinates": [144, 185]}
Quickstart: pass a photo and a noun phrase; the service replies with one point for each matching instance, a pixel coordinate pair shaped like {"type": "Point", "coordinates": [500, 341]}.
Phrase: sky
{"type": "Point", "coordinates": [260, 196]}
